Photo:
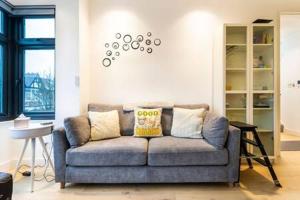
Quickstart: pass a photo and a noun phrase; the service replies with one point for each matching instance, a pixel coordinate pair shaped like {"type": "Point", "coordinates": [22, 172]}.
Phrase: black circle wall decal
{"type": "Point", "coordinates": [108, 52]}
{"type": "Point", "coordinates": [149, 34]}
{"type": "Point", "coordinates": [125, 47]}
{"type": "Point", "coordinates": [117, 53]}
{"type": "Point", "coordinates": [157, 42]}
{"type": "Point", "coordinates": [142, 48]}
{"type": "Point", "coordinates": [118, 35]}
{"type": "Point", "coordinates": [106, 45]}
{"type": "Point", "coordinates": [127, 38]}
{"type": "Point", "coordinates": [113, 58]}
{"type": "Point", "coordinates": [140, 38]}
{"type": "Point", "coordinates": [115, 45]}
{"type": "Point", "coordinates": [149, 50]}
{"type": "Point", "coordinates": [148, 42]}
{"type": "Point", "coordinates": [135, 45]}
{"type": "Point", "coordinates": [106, 62]}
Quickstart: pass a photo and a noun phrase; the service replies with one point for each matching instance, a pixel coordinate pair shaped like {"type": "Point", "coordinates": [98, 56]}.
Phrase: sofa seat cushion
{"type": "Point", "coordinates": [172, 151]}
{"type": "Point", "coordinates": [122, 151]}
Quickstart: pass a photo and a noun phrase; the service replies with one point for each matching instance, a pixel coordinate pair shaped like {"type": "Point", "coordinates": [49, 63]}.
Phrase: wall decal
{"type": "Point", "coordinates": [127, 38]}
{"type": "Point", "coordinates": [125, 47]}
{"type": "Point", "coordinates": [140, 38]}
{"type": "Point", "coordinates": [148, 42]}
{"type": "Point", "coordinates": [135, 45]}
{"type": "Point", "coordinates": [118, 35]}
{"type": "Point", "coordinates": [157, 42]}
{"type": "Point", "coordinates": [124, 42]}
{"type": "Point", "coordinates": [108, 53]}
{"type": "Point", "coordinates": [115, 45]}
{"type": "Point", "coordinates": [149, 50]}
{"type": "Point", "coordinates": [106, 62]}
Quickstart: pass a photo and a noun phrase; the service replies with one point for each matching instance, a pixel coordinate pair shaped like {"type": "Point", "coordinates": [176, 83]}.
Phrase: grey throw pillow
{"type": "Point", "coordinates": [78, 130]}
{"type": "Point", "coordinates": [215, 130]}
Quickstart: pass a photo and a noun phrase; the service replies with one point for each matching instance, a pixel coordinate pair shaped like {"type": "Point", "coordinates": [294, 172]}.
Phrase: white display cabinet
{"type": "Point", "coordinates": [250, 72]}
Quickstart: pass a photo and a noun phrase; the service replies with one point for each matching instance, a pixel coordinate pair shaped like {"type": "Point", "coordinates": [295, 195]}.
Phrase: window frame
{"type": "Point", "coordinates": [31, 44]}
{"type": "Point", "coordinates": [5, 41]}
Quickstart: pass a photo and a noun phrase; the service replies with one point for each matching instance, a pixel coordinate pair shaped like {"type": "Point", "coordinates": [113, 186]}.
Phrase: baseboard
{"type": "Point", "coordinates": [10, 165]}
{"type": "Point", "coordinates": [6, 166]}
{"type": "Point", "coordinates": [291, 132]}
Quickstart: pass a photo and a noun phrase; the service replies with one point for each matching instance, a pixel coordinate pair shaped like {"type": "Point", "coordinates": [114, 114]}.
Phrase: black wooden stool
{"type": "Point", "coordinates": [6, 186]}
{"type": "Point", "coordinates": [264, 159]}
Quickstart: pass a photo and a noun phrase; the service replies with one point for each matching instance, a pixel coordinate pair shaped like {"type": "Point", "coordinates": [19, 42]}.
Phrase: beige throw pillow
{"type": "Point", "coordinates": [188, 123]}
{"type": "Point", "coordinates": [104, 125]}
{"type": "Point", "coordinates": [147, 122]}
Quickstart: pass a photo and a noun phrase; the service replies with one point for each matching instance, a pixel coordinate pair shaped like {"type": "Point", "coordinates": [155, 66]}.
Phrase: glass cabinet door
{"type": "Point", "coordinates": [263, 85]}
{"type": "Point", "coordinates": [236, 73]}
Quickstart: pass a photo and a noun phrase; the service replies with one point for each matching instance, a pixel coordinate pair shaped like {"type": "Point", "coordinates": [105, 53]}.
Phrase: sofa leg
{"type": "Point", "coordinates": [62, 185]}
{"type": "Point", "coordinates": [234, 184]}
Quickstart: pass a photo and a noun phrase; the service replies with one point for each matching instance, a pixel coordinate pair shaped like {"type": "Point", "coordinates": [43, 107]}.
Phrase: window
{"type": "Point", "coordinates": [37, 65]}
{"type": "Point", "coordinates": [27, 62]}
{"type": "Point", "coordinates": [39, 81]}
{"type": "Point", "coordinates": [39, 28]}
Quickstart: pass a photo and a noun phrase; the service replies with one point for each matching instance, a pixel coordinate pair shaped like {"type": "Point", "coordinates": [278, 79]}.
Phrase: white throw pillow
{"type": "Point", "coordinates": [104, 125]}
{"type": "Point", "coordinates": [188, 123]}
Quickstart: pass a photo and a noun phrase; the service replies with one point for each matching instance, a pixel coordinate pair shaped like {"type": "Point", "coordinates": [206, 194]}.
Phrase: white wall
{"type": "Point", "coordinates": [290, 71]}
{"type": "Point", "coordinates": [187, 67]}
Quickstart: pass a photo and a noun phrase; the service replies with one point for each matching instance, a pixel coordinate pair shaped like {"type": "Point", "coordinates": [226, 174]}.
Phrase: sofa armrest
{"type": "Point", "coordinates": [233, 147]}
{"type": "Point", "coordinates": [60, 147]}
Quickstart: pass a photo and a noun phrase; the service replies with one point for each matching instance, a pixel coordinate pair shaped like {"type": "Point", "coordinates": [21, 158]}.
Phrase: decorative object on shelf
{"type": "Point", "coordinates": [262, 21]}
{"type": "Point", "coordinates": [21, 122]}
{"type": "Point", "coordinates": [228, 87]}
{"type": "Point", "coordinates": [126, 42]}
{"type": "Point", "coordinates": [261, 62]}
{"type": "Point", "coordinates": [264, 87]}
{"type": "Point", "coordinates": [243, 101]}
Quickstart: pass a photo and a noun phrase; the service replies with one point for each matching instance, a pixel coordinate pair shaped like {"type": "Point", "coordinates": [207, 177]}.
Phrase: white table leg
{"type": "Point", "coordinates": [45, 150]}
{"type": "Point", "coordinates": [21, 157]}
{"type": "Point", "coordinates": [32, 163]}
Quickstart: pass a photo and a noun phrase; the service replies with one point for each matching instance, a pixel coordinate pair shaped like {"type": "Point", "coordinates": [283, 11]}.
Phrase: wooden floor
{"type": "Point", "coordinates": [255, 184]}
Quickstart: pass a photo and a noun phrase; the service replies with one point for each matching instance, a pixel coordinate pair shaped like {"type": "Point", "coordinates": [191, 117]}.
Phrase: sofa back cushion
{"type": "Point", "coordinates": [167, 116]}
{"type": "Point", "coordinates": [127, 117]}
{"type": "Point", "coordinates": [215, 130]}
{"type": "Point", "coordinates": [78, 130]}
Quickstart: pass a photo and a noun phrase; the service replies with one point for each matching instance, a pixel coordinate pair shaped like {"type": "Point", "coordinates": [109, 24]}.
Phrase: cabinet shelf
{"type": "Point", "coordinates": [235, 109]}
{"type": "Point", "coordinates": [262, 44]}
{"type": "Point", "coordinates": [236, 92]}
{"type": "Point", "coordinates": [262, 109]}
{"type": "Point", "coordinates": [236, 45]}
{"type": "Point", "coordinates": [236, 69]}
{"type": "Point", "coordinates": [263, 91]}
{"type": "Point", "coordinates": [255, 69]}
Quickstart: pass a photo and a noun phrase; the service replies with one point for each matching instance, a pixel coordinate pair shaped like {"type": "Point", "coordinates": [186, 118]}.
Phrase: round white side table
{"type": "Point", "coordinates": [33, 131]}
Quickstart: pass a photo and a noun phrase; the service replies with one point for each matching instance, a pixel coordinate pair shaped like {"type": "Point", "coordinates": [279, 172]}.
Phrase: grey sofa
{"type": "Point", "coordinates": [166, 159]}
